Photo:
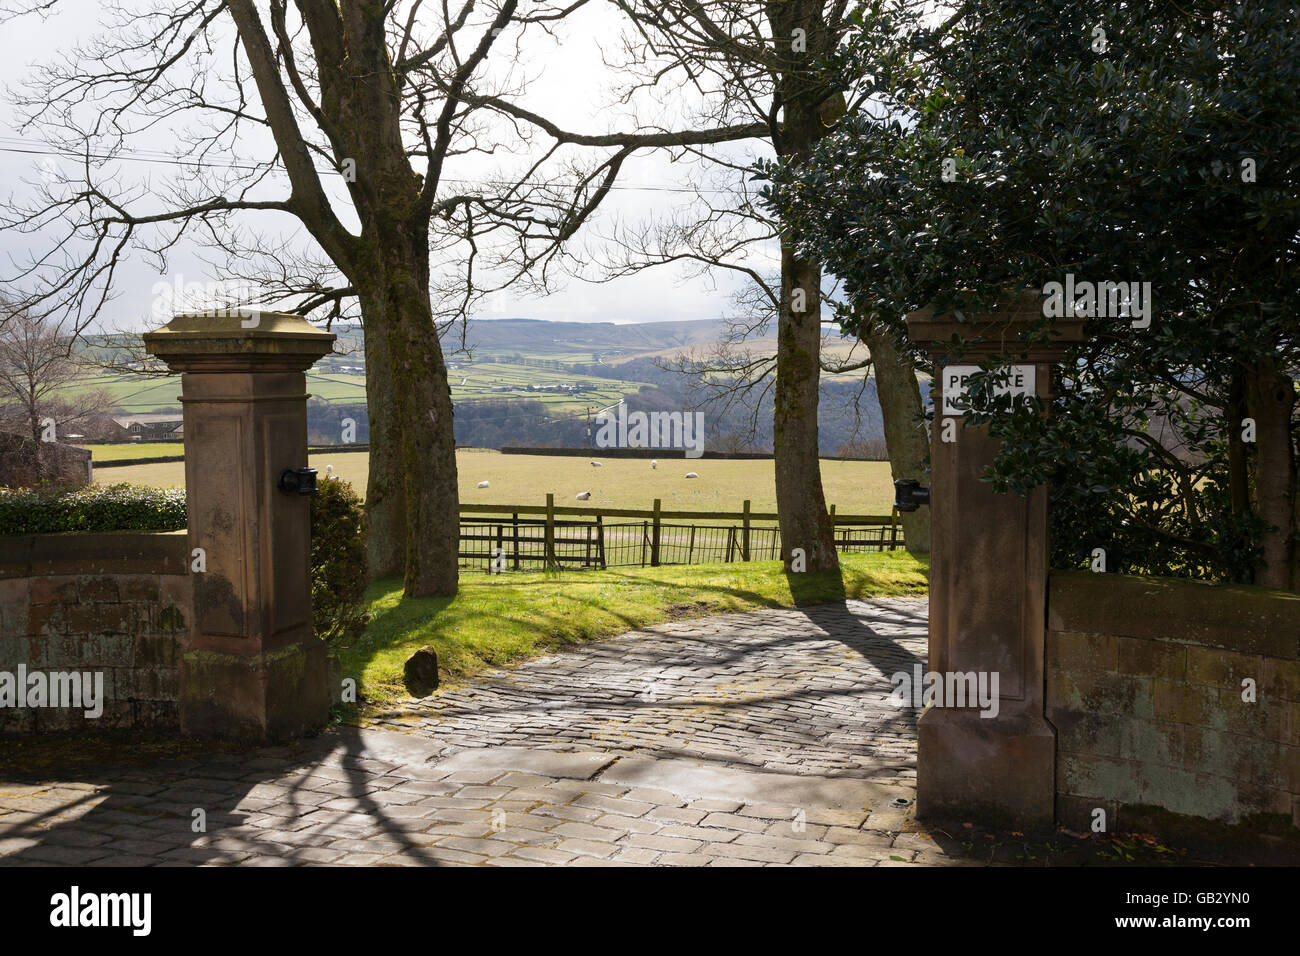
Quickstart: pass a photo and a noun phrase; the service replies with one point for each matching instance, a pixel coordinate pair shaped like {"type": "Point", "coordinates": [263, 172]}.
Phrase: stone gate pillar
{"type": "Point", "coordinates": [988, 589]}
{"type": "Point", "coordinates": [251, 667]}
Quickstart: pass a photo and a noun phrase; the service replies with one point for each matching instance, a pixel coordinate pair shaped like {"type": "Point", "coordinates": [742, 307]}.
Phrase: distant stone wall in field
{"type": "Point", "coordinates": [114, 605]}
{"type": "Point", "coordinates": [1145, 689]}
{"type": "Point", "coordinates": [665, 453]}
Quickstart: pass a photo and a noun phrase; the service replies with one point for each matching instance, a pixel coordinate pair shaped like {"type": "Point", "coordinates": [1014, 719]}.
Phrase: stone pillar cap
{"type": "Point", "coordinates": [1003, 328]}
{"type": "Point", "coordinates": [219, 341]}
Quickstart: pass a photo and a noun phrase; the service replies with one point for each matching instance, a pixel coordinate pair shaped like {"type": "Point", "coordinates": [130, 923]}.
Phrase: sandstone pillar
{"type": "Point", "coordinates": [988, 589]}
{"type": "Point", "coordinates": [251, 667]}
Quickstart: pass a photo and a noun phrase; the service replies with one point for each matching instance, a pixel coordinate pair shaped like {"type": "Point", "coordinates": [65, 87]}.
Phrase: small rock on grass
{"type": "Point", "coordinates": [421, 672]}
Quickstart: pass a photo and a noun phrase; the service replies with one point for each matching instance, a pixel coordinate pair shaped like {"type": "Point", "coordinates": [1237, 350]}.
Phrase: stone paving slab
{"type": "Point", "coordinates": [700, 780]}
{"type": "Point", "coordinates": [748, 739]}
{"type": "Point", "coordinates": [577, 765]}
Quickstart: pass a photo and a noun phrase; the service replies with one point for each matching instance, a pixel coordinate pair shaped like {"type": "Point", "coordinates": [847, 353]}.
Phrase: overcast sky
{"type": "Point", "coordinates": [566, 81]}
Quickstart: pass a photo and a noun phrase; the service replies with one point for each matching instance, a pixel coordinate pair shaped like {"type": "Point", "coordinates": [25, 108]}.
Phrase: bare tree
{"type": "Point", "coordinates": [724, 229]}
{"type": "Point", "coordinates": [763, 62]}
{"type": "Point", "coordinates": [382, 96]}
{"type": "Point", "coordinates": [36, 370]}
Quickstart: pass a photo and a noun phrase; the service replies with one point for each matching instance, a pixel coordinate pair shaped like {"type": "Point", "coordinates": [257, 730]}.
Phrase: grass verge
{"type": "Point", "coordinates": [500, 619]}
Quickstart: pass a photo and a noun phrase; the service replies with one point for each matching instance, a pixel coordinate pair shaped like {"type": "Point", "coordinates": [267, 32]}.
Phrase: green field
{"type": "Point", "coordinates": [144, 393]}
{"type": "Point", "coordinates": [119, 451]}
{"type": "Point", "coordinates": [854, 487]}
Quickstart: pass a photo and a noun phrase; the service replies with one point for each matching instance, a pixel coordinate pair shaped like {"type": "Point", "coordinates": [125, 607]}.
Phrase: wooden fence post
{"type": "Point", "coordinates": [645, 539]}
{"type": "Point", "coordinates": [600, 540]}
{"type": "Point", "coordinates": [654, 541]}
{"type": "Point", "coordinates": [501, 549]}
{"type": "Point", "coordinates": [549, 545]}
{"type": "Point", "coordinates": [514, 523]}
{"type": "Point", "coordinates": [744, 541]}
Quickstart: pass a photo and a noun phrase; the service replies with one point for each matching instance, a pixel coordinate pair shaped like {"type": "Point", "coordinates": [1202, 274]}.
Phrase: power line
{"type": "Point", "coordinates": [142, 156]}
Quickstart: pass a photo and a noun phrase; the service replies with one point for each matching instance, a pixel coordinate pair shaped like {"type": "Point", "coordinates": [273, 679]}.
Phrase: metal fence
{"type": "Point", "coordinates": [524, 538]}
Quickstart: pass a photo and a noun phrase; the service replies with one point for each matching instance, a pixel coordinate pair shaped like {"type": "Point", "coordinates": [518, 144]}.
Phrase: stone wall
{"type": "Point", "coordinates": [1145, 689]}
{"type": "Point", "coordinates": [60, 464]}
{"type": "Point", "coordinates": [115, 604]}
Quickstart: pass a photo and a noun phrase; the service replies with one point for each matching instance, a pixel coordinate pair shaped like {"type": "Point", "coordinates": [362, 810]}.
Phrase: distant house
{"type": "Point", "coordinates": [150, 427]}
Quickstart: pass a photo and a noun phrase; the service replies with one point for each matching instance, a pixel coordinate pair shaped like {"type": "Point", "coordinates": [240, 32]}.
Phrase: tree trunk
{"type": "Point", "coordinates": [905, 438]}
{"type": "Point", "coordinates": [34, 420]}
{"type": "Point", "coordinates": [800, 500]}
{"type": "Point", "coordinates": [385, 486]}
{"type": "Point", "coordinates": [1270, 398]}
{"type": "Point", "coordinates": [413, 420]}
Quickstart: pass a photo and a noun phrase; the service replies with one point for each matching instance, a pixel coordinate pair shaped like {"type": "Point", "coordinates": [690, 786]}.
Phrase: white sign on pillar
{"type": "Point", "coordinates": [1020, 382]}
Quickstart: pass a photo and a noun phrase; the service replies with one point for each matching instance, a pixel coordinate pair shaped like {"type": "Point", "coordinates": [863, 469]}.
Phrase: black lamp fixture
{"type": "Point", "coordinates": [909, 494]}
{"type": "Point", "coordinates": [301, 481]}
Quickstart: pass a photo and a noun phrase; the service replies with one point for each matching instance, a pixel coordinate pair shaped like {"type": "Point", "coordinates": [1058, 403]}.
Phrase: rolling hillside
{"type": "Point", "coordinates": [533, 382]}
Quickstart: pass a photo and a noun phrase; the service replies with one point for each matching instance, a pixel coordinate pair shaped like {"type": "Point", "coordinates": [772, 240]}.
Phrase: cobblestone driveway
{"type": "Point", "coordinates": [788, 691]}
{"type": "Point", "coordinates": [746, 739]}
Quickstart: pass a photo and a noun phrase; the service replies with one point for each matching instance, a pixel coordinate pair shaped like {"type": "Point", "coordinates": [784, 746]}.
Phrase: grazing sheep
{"type": "Point", "coordinates": [691, 474]}
{"type": "Point", "coordinates": [583, 495]}
{"type": "Point", "coordinates": [484, 484]}
{"type": "Point", "coordinates": [596, 464]}
{"type": "Point", "coordinates": [654, 463]}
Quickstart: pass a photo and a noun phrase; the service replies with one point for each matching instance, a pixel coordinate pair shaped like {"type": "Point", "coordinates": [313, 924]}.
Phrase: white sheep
{"type": "Point", "coordinates": [691, 474]}
{"type": "Point", "coordinates": [484, 484]}
{"type": "Point", "coordinates": [583, 495]}
{"type": "Point", "coordinates": [654, 463]}
{"type": "Point", "coordinates": [596, 464]}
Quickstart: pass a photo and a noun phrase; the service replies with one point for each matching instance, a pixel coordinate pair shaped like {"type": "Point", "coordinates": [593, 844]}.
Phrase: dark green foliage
{"type": "Point", "coordinates": [1145, 142]}
{"type": "Point", "coordinates": [93, 508]}
{"type": "Point", "coordinates": [338, 563]}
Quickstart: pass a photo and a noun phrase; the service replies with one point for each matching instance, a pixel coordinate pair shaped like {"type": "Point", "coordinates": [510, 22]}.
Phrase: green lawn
{"type": "Point", "coordinates": [499, 619]}
{"type": "Point", "coordinates": [143, 449]}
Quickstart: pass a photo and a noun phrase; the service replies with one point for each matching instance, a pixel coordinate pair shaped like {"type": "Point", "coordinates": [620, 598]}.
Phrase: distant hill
{"type": "Point", "coordinates": [577, 342]}
{"type": "Point", "coordinates": [535, 382]}
{"type": "Point", "coordinates": [542, 335]}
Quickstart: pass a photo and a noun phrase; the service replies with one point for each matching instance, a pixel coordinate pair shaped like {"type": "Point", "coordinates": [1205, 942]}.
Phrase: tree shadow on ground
{"type": "Point", "coordinates": [268, 805]}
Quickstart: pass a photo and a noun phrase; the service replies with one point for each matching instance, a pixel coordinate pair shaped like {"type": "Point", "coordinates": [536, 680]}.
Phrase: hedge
{"type": "Point", "coordinates": [338, 561]}
{"type": "Point", "coordinates": [338, 545]}
{"type": "Point", "coordinates": [121, 507]}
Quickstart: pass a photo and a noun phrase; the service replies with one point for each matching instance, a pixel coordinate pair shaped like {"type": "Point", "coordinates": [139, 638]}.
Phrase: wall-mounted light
{"type": "Point", "coordinates": [301, 481]}
{"type": "Point", "coordinates": [909, 494]}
